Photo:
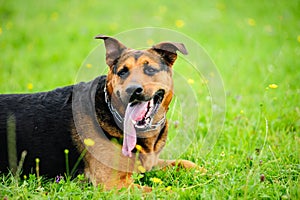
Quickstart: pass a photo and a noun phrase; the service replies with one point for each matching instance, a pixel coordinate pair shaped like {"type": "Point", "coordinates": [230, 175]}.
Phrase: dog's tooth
{"type": "Point", "coordinates": [151, 102]}
{"type": "Point", "coordinates": [134, 122]}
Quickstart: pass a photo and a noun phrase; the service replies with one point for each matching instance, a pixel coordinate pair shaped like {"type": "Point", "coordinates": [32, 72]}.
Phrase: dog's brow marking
{"type": "Point", "coordinates": [162, 65]}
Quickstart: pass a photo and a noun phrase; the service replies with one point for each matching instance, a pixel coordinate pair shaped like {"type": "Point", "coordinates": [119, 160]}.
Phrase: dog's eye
{"type": "Point", "coordinates": [150, 70]}
{"type": "Point", "coordinates": [124, 72]}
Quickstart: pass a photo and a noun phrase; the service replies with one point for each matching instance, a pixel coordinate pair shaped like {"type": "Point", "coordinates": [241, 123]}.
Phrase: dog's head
{"type": "Point", "coordinates": [139, 85]}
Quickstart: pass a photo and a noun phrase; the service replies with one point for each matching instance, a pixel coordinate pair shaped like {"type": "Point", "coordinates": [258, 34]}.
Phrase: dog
{"type": "Point", "coordinates": [117, 122]}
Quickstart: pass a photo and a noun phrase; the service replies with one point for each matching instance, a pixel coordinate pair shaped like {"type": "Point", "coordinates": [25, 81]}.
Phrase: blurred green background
{"type": "Point", "coordinates": [254, 44]}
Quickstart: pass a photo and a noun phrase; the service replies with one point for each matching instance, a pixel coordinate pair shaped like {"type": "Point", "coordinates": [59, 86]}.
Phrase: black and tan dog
{"type": "Point", "coordinates": [118, 119]}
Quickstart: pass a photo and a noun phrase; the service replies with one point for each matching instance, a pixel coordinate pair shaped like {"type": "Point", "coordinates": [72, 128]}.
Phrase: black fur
{"type": "Point", "coordinates": [44, 124]}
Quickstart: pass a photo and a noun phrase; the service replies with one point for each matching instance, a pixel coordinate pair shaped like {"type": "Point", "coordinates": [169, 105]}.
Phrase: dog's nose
{"type": "Point", "coordinates": [135, 90]}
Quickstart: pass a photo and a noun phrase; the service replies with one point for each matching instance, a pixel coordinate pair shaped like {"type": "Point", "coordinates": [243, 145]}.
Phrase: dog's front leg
{"type": "Point", "coordinates": [107, 177]}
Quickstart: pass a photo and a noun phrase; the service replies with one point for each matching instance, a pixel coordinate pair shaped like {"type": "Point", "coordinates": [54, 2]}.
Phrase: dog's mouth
{"type": "Point", "coordinates": [138, 117]}
{"type": "Point", "coordinates": [144, 111]}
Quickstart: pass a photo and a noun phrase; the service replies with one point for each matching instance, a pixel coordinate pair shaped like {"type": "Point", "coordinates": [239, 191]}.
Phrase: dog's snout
{"type": "Point", "coordinates": [134, 90]}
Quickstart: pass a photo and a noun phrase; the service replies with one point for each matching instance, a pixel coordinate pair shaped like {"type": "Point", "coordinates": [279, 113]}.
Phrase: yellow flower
{"type": "Point", "coordinates": [162, 9]}
{"type": "Point", "coordinates": [89, 142]}
{"type": "Point", "coordinates": [89, 65]}
{"type": "Point", "coordinates": [138, 147]}
{"type": "Point", "coordinates": [54, 16]}
{"type": "Point", "coordinates": [179, 23]}
{"type": "Point", "coordinates": [191, 81]}
{"type": "Point", "coordinates": [298, 38]}
{"type": "Point", "coordinates": [37, 160]}
{"type": "Point", "coordinates": [251, 22]}
{"type": "Point", "coordinates": [222, 154]}
{"type": "Point", "coordinates": [156, 180]}
{"type": "Point", "coordinates": [204, 81]}
{"type": "Point", "coordinates": [242, 111]}
{"type": "Point", "coordinates": [168, 188]}
{"type": "Point", "coordinates": [273, 86]}
{"type": "Point", "coordinates": [141, 169]}
{"type": "Point", "coordinates": [9, 25]}
{"type": "Point", "coordinates": [113, 26]}
{"type": "Point", "coordinates": [221, 6]}
{"type": "Point", "coordinates": [25, 177]}
{"type": "Point", "coordinates": [66, 151]}
{"type": "Point", "coordinates": [29, 86]}
{"type": "Point", "coordinates": [150, 42]}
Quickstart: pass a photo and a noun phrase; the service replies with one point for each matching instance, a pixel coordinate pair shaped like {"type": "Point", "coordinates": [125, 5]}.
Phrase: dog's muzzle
{"type": "Point", "coordinates": [137, 100]}
{"type": "Point", "coordinates": [143, 109]}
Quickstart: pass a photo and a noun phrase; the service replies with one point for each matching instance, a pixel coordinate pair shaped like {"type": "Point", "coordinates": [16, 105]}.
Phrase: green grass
{"type": "Point", "coordinates": [253, 44]}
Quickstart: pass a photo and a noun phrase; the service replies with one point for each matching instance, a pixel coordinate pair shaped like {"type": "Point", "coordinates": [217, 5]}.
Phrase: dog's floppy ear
{"type": "Point", "coordinates": [113, 47]}
{"type": "Point", "coordinates": [167, 51]}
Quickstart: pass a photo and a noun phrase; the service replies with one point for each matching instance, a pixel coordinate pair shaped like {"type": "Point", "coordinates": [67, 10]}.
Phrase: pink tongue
{"type": "Point", "coordinates": [132, 114]}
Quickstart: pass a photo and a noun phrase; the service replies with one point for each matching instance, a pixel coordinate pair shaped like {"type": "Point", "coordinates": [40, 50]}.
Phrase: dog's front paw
{"type": "Point", "coordinates": [179, 163]}
{"type": "Point", "coordinates": [190, 165]}
{"type": "Point", "coordinates": [185, 164]}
